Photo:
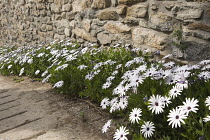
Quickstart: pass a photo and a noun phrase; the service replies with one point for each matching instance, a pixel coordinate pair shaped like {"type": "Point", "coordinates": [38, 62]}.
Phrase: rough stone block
{"type": "Point", "coordinates": [196, 33]}
{"type": "Point", "coordinates": [67, 32]}
{"type": "Point", "coordinates": [129, 1]}
{"type": "Point", "coordinates": [161, 22]}
{"type": "Point", "coordinates": [199, 26]}
{"type": "Point", "coordinates": [66, 8]}
{"type": "Point", "coordinates": [138, 10]}
{"type": "Point", "coordinates": [59, 37]}
{"type": "Point", "coordinates": [184, 12]}
{"type": "Point", "coordinates": [86, 23]}
{"type": "Point", "coordinates": [84, 34]}
{"type": "Point", "coordinates": [104, 38]}
{"type": "Point", "coordinates": [150, 37]}
{"type": "Point", "coordinates": [116, 27]}
{"type": "Point", "coordinates": [107, 14]}
{"type": "Point", "coordinates": [121, 9]}
{"type": "Point", "coordinates": [55, 8]}
{"type": "Point", "coordinates": [196, 49]}
{"type": "Point", "coordinates": [101, 4]}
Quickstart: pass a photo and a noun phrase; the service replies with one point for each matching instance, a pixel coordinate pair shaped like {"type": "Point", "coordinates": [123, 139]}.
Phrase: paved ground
{"type": "Point", "coordinates": [30, 111]}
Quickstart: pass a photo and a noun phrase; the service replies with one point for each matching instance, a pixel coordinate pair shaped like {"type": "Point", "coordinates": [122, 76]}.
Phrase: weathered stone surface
{"type": "Point", "coordinates": [59, 37]}
{"type": "Point", "coordinates": [107, 14]}
{"type": "Point", "coordinates": [62, 23]}
{"type": "Point", "coordinates": [49, 27]}
{"type": "Point", "coordinates": [138, 10]}
{"type": "Point", "coordinates": [130, 20]}
{"type": "Point", "coordinates": [101, 4]}
{"type": "Point", "coordinates": [40, 6]}
{"type": "Point", "coordinates": [104, 38]}
{"type": "Point", "coordinates": [199, 26]}
{"type": "Point", "coordinates": [196, 49]}
{"type": "Point", "coordinates": [84, 34]}
{"type": "Point", "coordinates": [129, 1]}
{"type": "Point", "coordinates": [67, 32]}
{"type": "Point", "coordinates": [21, 2]}
{"type": "Point", "coordinates": [80, 5]}
{"type": "Point", "coordinates": [161, 22]}
{"type": "Point", "coordinates": [121, 9]}
{"type": "Point", "coordinates": [116, 27]}
{"type": "Point", "coordinates": [143, 23]}
{"type": "Point", "coordinates": [146, 36]}
{"type": "Point", "coordinates": [66, 8]}
{"type": "Point", "coordinates": [196, 33]}
{"type": "Point", "coordinates": [187, 12]}
{"type": "Point", "coordinates": [86, 23]}
{"type": "Point", "coordinates": [55, 8]}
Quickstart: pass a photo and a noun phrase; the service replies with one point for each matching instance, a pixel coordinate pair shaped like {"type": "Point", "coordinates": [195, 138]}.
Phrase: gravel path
{"type": "Point", "coordinates": [30, 111]}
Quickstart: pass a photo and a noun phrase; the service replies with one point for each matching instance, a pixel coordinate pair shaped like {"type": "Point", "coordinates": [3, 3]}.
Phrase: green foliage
{"type": "Point", "coordinates": [97, 73]}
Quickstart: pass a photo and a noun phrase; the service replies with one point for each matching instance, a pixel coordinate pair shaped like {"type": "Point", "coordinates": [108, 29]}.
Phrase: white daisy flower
{"type": "Point", "coordinates": [104, 103]}
{"type": "Point", "coordinates": [21, 71]}
{"type": "Point", "coordinates": [135, 115]}
{"type": "Point", "coordinates": [189, 105]}
{"type": "Point", "coordinates": [166, 101]}
{"type": "Point", "coordinates": [182, 84]}
{"type": "Point", "coordinates": [205, 75]}
{"type": "Point", "coordinates": [169, 64]}
{"type": "Point", "coordinates": [81, 67]}
{"type": "Point", "coordinates": [110, 78]}
{"type": "Point", "coordinates": [47, 78]}
{"type": "Point", "coordinates": [115, 106]}
{"type": "Point", "coordinates": [106, 126]}
{"type": "Point", "coordinates": [170, 79]}
{"type": "Point", "coordinates": [174, 92]}
{"type": "Point", "coordinates": [150, 72]}
{"type": "Point", "coordinates": [9, 66]}
{"type": "Point", "coordinates": [123, 103]}
{"type": "Point", "coordinates": [167, 56]}
{"type": "Point", "coordinates": [106, 85]}
{"type": "Point", "coordinates": [156, 104]}
{"type": "Point", "coordinates": [115, 72]}
{"type": "Point", "coordinates": [208, 101]}
{"type": "Point", "coordinates": [58, 84]}
{"type": "Point", "coordinates": [30, 61]}
{"type": "Point", "coordinates": [207, 119]}
{"type": "Point", "coordinates": [37, 72]}
{"type": "Point", "coordinates": [148, 129]}
{"type": "Point", "coordinates": [121, 133]}
{"type": "Point", "coordinates": [44, 73]}
{"type": "Point", "coordinates": [176, 117]}
{"type": "Point", "coordinates": [204, 62]}
{"type": "Point", "coordinates": [129, 63]}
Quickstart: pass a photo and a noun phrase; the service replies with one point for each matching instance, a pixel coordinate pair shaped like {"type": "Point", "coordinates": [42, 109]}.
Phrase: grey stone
{"type": "Point", "coordinates": [130, 20]}
{"type": "Point", "coordinates": [161, 22]}
{"type": "Point", "coordinates": [107, 14]}
{"type": "Point", "coordinates": [86, 23]}
{"type": "Point", "coordinates": [66, 8]}
{"type": "Point", "coordinates": [67, 32]}
{"type": "Point", "coordinates": [150, 37]}
{"type": "Point", "coordinates": [104, 38]}
{"type": "Point", "coordinates": [116, 27]}
{"type": "Point", "coordinates": [138, 10]}
{"type": "Point", "coordinates": [55, 8]}
{"type": "Point", "coordinates": [184, 12]}
{"type": "Point", "coordinates": [84, 34]}
{"type": "Point", "coordinates": [129, 1]}
{"type": "Point", "coordinates": [121, 9]}
{"type": "Point", "coordinates": [196, 33]}
{"type": "Point", "coordinates": [196, 49]}
{"type": "Point", "coordinates": [101, 4]}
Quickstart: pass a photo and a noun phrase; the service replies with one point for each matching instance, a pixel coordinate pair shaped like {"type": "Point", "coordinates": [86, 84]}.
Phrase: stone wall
{"type": "Point", "coordinates": [181, 27]}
